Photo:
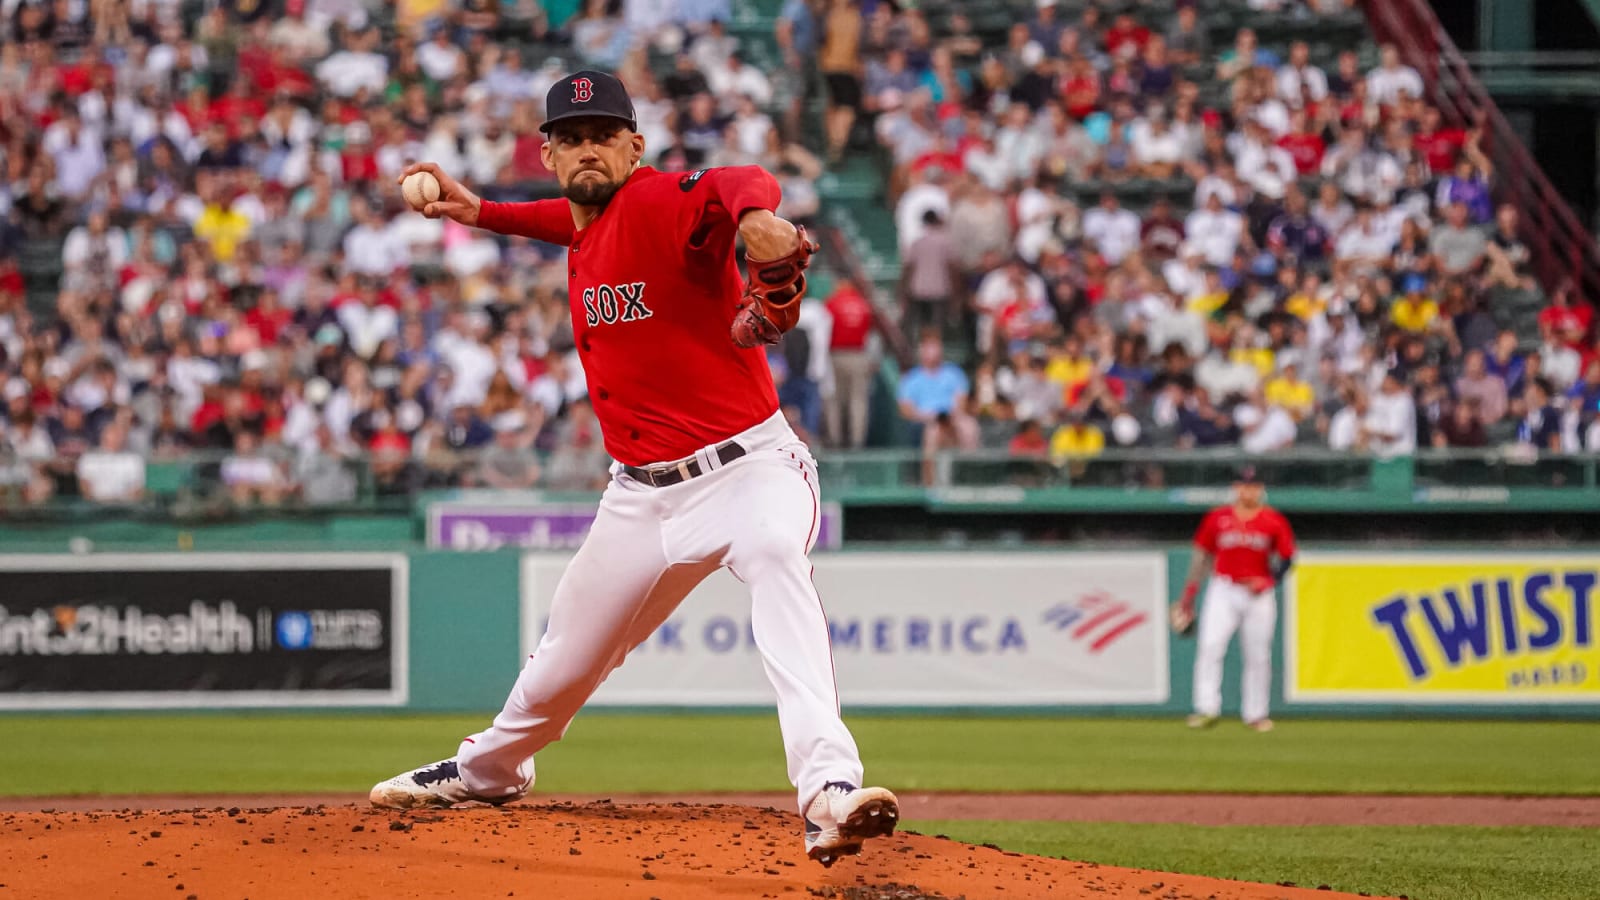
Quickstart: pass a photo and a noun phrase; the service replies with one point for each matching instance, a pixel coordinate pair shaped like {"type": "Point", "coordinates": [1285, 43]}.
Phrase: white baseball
{"type": "Point", "coordinates": [419, 189]}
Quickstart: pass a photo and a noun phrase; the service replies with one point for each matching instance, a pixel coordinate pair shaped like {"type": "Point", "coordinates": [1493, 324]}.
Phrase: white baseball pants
{"type": "Point", "coordinates": [1229, 607]}
{"type": "Point", "coordinates": [647, 550]}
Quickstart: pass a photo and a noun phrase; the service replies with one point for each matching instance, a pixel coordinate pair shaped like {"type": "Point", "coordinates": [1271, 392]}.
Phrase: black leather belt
{"type": "Point", "coordinates": [684, 469]}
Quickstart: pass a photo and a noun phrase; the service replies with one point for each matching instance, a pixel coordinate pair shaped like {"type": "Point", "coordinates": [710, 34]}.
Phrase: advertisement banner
{"type": "Point", "coordinates": [915, 629]}
{"type": "Point", "coordinates": [454, 525]}
{"type": "Point", "coordinates": [164, 630]}
{"type": "Point", "coordinates": [1442, 628]}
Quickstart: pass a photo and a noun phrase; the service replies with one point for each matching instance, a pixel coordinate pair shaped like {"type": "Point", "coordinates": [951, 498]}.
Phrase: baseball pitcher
{"type": "Point", "coordinates": [1236, 544]}
{"type": "Point", "coordinates": [707, 473]}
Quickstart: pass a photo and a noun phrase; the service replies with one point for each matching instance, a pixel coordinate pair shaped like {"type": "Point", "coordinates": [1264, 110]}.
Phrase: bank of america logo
{"type": "Point", "coordinates": [1096, 619]}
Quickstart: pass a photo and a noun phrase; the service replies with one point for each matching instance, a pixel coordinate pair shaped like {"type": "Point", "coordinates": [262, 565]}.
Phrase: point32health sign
{"type": "Point", "coordinates": [913, 630]}
{"type": "Point", "coordinates": [537, 525]}
{"type": "Point", "coordinates": [1443, 628]}
{"type": "Point", "coordinates": [202, 630]}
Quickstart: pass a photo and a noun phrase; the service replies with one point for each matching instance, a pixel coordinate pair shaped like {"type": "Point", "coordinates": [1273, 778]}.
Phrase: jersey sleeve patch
{"type": "Point", "coordinates": [687, 182]}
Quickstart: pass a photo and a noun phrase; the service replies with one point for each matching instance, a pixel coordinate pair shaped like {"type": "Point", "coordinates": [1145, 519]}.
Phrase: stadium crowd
{"type": "Point", "coordinates": [1320, 265]}
{"type": "Point", "coordinates": [229, 274]}
{"type": "Point", "coordinates": [203, 254]}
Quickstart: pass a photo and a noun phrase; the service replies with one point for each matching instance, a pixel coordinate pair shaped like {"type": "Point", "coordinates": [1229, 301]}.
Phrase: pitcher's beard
{"type": "Point", "coordinates": [589, 192]}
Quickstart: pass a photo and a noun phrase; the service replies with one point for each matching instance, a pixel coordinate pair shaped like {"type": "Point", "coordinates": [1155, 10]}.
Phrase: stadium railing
{"type": "Point", "coordinates": [1126, 480]}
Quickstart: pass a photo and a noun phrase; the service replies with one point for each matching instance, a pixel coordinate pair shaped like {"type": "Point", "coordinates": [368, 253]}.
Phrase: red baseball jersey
{"type": "Point", "coordinates": [1242, 547]}
{"type": "Point", "coordinates": [653, 284]}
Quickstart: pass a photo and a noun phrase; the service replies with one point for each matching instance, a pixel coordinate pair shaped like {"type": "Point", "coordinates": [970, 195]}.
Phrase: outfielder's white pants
{"type": "Point", "coordinates": [1229, 607]}
{"type": "Point", "coordinates": [647, 550]}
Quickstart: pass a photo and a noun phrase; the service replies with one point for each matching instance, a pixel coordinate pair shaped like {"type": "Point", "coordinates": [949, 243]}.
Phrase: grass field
{"type": "Point", "coordinates": [44, 755]}
{"type": "Point", "coordinates": [56, 755]}
{"type": "Point", "coordinates": [1424, 863]}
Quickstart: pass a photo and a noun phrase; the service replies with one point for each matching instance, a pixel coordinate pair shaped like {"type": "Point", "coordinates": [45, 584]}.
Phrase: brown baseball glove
{"type": "Point", "coordinates": [773, 289]}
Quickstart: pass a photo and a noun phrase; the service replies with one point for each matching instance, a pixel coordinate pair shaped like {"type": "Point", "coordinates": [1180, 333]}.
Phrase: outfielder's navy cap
{"type": "Point", "coordinates": [586, 94]}
{"type": "Point", "coordinates": [1248, 474]}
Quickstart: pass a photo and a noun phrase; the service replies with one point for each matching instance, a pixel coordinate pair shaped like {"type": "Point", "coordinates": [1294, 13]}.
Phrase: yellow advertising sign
{"type": "Point", "coordinates": [1443, 628]}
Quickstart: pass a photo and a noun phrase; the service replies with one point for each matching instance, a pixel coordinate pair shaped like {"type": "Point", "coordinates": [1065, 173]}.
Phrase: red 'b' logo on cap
{"type": "Point", "coordinates": [582, 90]}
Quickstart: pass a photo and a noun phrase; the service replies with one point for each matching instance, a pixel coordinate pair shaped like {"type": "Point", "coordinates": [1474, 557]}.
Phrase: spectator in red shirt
{"type": "Point", "coordinates": [358, 160]}
{"type": "Point", "coordinates": [852, 365]}
{"type": "Point", "coordinates": [268, 318]}
{"type": "Point", "coordinates": [1561, 320]}
{"type": "Point", "coordinates": [1126, 36]}
{"type": "Point", "coordinates": [238, 107]}
{"type": "Point", "coordinates": [1303, 144]}
{"type": "Point", "coordinates": [1080, 90]}
{"type": "Point", "coordinates": [196, 108]}
{"type": "Point", "coordinates": [278, 74]}
{"type": "Point", "coordinates": [1029, 440]}
{"type": "Point", "coordinates": [1439, 145]}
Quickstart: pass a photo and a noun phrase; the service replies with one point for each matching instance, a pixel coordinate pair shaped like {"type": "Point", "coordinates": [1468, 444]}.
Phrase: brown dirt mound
{"type": "Point", "coordinates": [597, 851]}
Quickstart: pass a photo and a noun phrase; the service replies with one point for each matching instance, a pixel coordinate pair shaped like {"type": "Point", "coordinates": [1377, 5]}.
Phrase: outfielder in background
{"type": "Point", "coordinates": [707, 473]}
{"type": "Point", "coordinates": [1236, 544]}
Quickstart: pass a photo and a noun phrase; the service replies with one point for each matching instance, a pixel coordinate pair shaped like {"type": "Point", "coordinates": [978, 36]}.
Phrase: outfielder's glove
{"type": "Point", "coordinates": [1182, 619]}
{"type": "Point", "coordinates": [772, 293]}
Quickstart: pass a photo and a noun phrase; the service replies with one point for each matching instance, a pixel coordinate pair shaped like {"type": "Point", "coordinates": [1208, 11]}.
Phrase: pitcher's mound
{"type": "Point", "coordinates": [596, 851]}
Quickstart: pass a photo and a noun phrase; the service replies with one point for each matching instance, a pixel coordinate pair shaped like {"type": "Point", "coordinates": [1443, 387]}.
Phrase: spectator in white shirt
{"type": "Point", "coordinates": [250, 475]}
{"type": "Point", "coordinates": [369, 247]}
{"type": "Point", "coordinates": [79, 157]}
{"type": "Point", "coordinates": [1009, 285]}
{"type": "Point", "coordinates": [1363, 172]}
{"type": "Point", "coordinates": [367, 323]}
{"type": "Point", "coordinates": [94, 254]}
{"type": "Point", "coordinates": [1019, 143]}
{"type": "Point", "coordinates": [1263, 427]}
{"type": "Point", "coordinates": [1259, 160]}
{"type": "Point", "coordinates": [928, 193]}
{"type": "Point", "coordinates": [1114, 231]}
{"type": "Point", "coordinates": [1178, 324]}
{"type": "Point", "coordinates": [735, 77]}
{"type": "Point", "coordinates": [1391, 423]}
{"type": "Point", "coordinates": [1300, 81]}
{"type": "Point", "coordinates": [1219, 182]}
{"type": "Point", "coordinates": [345, 73]}
{"type": "Point", "coordinates": [300, 38]}
{"type": "Point", "coordinates": [1386, 83]}
{"type": "Point", "coordinates": [1363, 247]}
{"type": "Point", "coordinates": [440, 58]}
{"type": "Point", "coordinates": [1344, 428]}
{"type": "Point", "coordinates": [109, 473]}
{"type": "Point", "coordinates": [1216, 231]}
{"type": "Point", "coordinates": [1331, 210]}
{"type": "Point", "coordinates": [986, 164]}
{"type": "Point", "coordinates": [1156, 147]}
{"type": "Point", "coordinates": [189, 374]}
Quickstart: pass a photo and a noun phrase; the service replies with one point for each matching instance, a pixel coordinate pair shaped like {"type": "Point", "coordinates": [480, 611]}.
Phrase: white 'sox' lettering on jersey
{"type": "Point", "coordinates": [610, 304]}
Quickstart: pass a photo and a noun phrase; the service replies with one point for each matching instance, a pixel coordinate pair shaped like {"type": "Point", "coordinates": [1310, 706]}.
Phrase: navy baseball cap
{"type": "Point", "coordinates": [1247, 474]}
{"type": "Point", "coordinates": [586, 94]}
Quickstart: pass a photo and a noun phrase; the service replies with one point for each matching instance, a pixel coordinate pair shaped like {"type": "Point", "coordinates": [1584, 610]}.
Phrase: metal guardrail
{"type": "Point", "coordinates": [1122, 480]}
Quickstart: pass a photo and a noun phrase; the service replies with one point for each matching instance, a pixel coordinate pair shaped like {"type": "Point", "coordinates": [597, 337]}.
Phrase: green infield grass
{"type": "Point", "coordinates": [267, 753]}
{"type": "Point", "coordinates": [1424, 863]}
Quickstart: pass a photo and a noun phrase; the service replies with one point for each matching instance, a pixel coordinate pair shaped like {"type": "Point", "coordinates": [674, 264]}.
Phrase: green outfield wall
{"type": "Point", "coordinates": [361, 617]}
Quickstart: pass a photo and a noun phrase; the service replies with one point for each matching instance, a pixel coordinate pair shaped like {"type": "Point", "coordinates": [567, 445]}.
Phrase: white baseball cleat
{"type": "Point", "coordinates": [1200, 720]}
{"type": "Point", "coordinates": [843, 816]}
{"type": "Point", "coordinates": [1261, 725]}
{"type": "Point", "coordinates": [436, 786]}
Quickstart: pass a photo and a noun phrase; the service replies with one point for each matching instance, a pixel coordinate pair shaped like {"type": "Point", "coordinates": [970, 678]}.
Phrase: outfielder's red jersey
{"type": "Point", "coordinates": [653, 285]}
{"type": "Point", "coordinates": [1242, 547]}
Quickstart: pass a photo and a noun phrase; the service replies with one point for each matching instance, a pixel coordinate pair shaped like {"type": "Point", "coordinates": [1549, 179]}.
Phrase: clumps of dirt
{"type": "Point", "coordinates": [889, 891]}
{"type": "Point", "coordinates": [576, 851]}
